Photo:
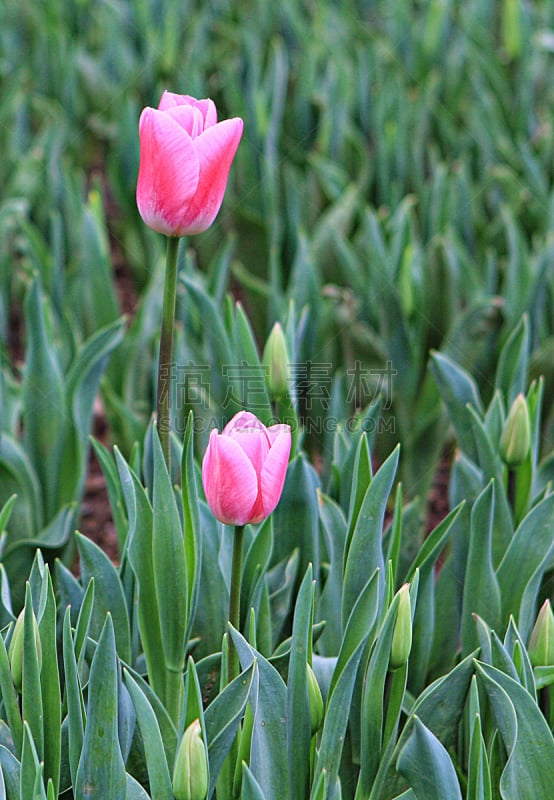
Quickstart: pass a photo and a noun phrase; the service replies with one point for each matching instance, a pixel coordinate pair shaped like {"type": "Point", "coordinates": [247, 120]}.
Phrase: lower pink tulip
{"type": "Point", "coordinates": [244, 468]}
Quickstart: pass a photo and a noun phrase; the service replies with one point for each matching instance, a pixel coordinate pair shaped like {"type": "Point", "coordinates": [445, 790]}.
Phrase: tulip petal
{"type": "Point", "coordinates": [188, 117]}
{"type": "Point", "coordinates": [168, 172]}
{"type": "Point", "coordinates": [216, 148]}
{"type": "Point", "coordinates": [243, 419]}
{"type": "Point", "coordinates": [229, 480]}
{"type": "Point", "coordinates": [206, 106]}
{"type": "Point", "coordinates": [171, 99]}
{"type": "Point", "coordinates": [274, 470]}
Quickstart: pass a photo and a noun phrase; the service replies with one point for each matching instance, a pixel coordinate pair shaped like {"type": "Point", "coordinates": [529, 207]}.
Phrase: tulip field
{"type": "Point", "coordinates": [277, 400]}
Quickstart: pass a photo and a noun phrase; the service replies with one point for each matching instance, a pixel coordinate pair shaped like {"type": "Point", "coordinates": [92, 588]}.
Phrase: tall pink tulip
{"type": "Point", "coordinates": [244, 469]}
{"type": "Point", "coordinates": [185, 158]}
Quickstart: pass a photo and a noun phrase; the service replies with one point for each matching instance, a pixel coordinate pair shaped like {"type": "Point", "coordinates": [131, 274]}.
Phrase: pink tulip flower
{"type": "Point", "coordinates": [185, 158]}
{"type": "Point", "coordinates": [244, 469]}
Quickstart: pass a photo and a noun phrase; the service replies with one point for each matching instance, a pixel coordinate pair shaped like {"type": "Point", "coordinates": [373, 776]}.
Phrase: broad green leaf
{"type": "Point", "coordinates": [50, 686]}
{"type": "Point", "coordinates": [426, 765]}
{"type": "Point", "coordinates": [333, 526]}
{"type": "Point", "coordinates": [526, 736]}
{"type": "Point", "coordinates": [139, 549]}
{"type": "Point", "coordinates": [44, 400]}
{"type": "Point", "coordinates": [222, 719]}
{"type": "Point", "coordinates": [298, 704]}
{"type": "Point", "coordinates": [10, 700]}
{"type": "Point", "coordinates": [524, 560]}
{"type": "Point", "coordinates": [170, 568]}
{"type": "Point", "coordinates": [251, 789]}
{"type": "Point", "coordinates": [158, 771]}
{"type": "Point", "coordinates": [191, 520]}
{"type": "Point", "coordinates": [108, 593]}
{"type": "Point", "coordinates": [11, 770]}
{"type": "Point", "coordinates": [82, 381]}
{"type": "Point", "coordinates": [511, 370]}
{"type": "Point", "coordinates": [31, 695]}
{"type": "Point", "coordinates": [365, 553]}
{"type": "Point", "coordinates": [101, 771]}
{"type": "Point", "coordinates": [268, 698]}
{"type": "Point", "coordinates": [458, 390]}
{"type": "Point", "coordinates": [73, 699]}
{"type": "Point", "coordinates": [481, 591]}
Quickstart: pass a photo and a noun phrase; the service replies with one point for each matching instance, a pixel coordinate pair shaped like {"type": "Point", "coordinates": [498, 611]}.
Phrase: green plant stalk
{"type": "Point", "coordinates": [234, 599]}
{"type": "Point", "coordinates": [163, 398]}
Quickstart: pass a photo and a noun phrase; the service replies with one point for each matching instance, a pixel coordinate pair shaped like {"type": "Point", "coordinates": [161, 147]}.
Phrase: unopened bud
{"type": "Point", "coordinates": [316, 701]}
{"type": "Point", "coordinates": [276, 361]}
{"type": "Point", "coordinates": [541, 641]}
{"type": "Point", "coordinates": [16, 649]}
{"type": "Point", "coordinates": [402, 634]}
{"type": "Point", "coordinates": [190, 774]}
{"type": "Point", "coordinates": [516, 436]}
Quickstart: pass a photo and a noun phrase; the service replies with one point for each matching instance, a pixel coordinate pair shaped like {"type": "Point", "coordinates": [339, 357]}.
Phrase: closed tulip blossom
{"type": "Point", "coordinates": [185, 158]}
{"type": "Point", "coordinates": [244, 469]}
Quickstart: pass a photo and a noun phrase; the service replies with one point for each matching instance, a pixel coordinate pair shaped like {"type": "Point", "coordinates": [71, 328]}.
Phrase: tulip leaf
{"type": "Point", "coordinates": [11, 770]}
{"type": "Point", "coordinates": [251, 789]}
{"type": "Point", "coordinates": [31, 695]}
{"type": "Point", "coordinates": [191, 520]}
{"type": "Point", "coordinates": [158, 771]}
{"type": "Point", "coordinates": [511, 370]}
{"type": "Point", "coordinates": [358, 629]}
{"type": "Point", "coordinates": [169, 559]}
{"type": "Point", "coordinates": [298, 703]}
{"type": "Point", "coordinates": [255, 566]}
{"type": "Point", "coordinates": [252, 394]}
{"type": "Point", "coordinates": [222, 719]}
{"type": "Point", "coordinates": [372, 702]}
{"type": "Point", "coordinates": [426, 765]}
{"type": "Point", "coordinates": [481, 592]}
{"type": "Point", "coordinates": [44, 400]}
{"type": "Point", "coordinates": [364, 553]}
{"type": "Point", "coordinates": [73, 699]}
{"type": "Point", "coordinates": [139, 550]}
{"type": "Point", "coordinates": [81, 385]}
{"type": "Point", "coordinates": [50, 685]}
{"type": "Point", "coordinates": [213, 598]}
{"type": "Point", "coordinates": [296, 518]}
{"type": "Point", "coordinates": [101, 771]}
{"type": "Point", "coordinates": [333, 525]}
{"type": "Point", "coordinates": [458, 390]}
{"type": "Point", "coordinates": [10, 699]}
{"type": "Point", "coordinates": [268, 698]}
{"type": "Point", "coordinates": [525, 560]}
{"type": "Point", "coordinates": [108, 593]}
{"type": "Point", "coordinates": [527, 738]}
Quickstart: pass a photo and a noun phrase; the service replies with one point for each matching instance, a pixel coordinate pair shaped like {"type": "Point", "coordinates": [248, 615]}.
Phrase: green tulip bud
{"type": "Point", "coordinates": [317, 712]}
{"type": "Point", "coordinates": [541, 641]}
{"type": "Point", "coordinates": [276, 361]}
{"type": "Point", "coordinates": [402, 634]}
{"type": "Point", "coordinates": [190, 774]}
{"type": "Point", "coordinates": [16, 649]}
{"type": "Point", "coordinates": [516, 436]}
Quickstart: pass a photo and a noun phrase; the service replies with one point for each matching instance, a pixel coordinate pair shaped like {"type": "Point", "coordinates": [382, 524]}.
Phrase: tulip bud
{"type": "Point", "coordinates": [402, 634]}
{"type": "Point", "coordinates": [15, 651]}
{"type": "Point", "coordinates": [276, 360]}
{"type": "Point", "coordinates": [316, 701]}
{"type": "Point", "coordinates": [541, 641]}
{"type": "Point", "coordinates": [190, 774]}
{"type": "Point", "coordinates": [516, 436]}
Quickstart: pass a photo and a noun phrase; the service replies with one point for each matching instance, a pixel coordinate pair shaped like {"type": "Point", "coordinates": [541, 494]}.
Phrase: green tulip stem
{"type": "Point", "coordinates": [234, 599]}
{"type": "Point", "coordinates": [163, 399]}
